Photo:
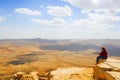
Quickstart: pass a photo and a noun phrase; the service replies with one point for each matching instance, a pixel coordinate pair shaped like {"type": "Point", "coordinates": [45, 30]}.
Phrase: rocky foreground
{"type": "Point", "coordinates": [107, 70]}
{"type": "Point", "coordinates": [73, 73]}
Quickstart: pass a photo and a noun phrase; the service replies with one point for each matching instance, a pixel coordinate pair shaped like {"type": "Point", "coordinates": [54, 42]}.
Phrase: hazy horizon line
{"type": "Point", "coordinates": [62, 39]}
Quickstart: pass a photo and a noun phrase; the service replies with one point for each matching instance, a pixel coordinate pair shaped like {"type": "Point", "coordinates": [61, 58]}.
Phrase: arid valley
{"type": "Point", "coordinates": [43, 55]}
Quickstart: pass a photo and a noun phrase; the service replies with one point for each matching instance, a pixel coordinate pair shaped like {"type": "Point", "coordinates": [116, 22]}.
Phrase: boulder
{"type": "Point", "coordinates": [24, 76]}
{"type": "Point", "coordinates": [34, 75]}
{"type": "Point", "coordinates": [18, 75]}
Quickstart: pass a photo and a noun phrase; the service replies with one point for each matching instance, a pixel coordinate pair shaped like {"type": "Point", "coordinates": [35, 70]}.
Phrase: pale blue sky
{"type": "Point", "coordinates": [60, 19]}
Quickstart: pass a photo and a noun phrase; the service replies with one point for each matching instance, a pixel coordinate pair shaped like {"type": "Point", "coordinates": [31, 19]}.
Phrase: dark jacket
{"type": "Point", "coordinates": [104, 53]}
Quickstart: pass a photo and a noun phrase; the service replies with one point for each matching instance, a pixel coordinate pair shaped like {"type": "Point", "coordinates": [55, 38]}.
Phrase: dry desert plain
{"type": "Point", "coordinates": [27, 57]}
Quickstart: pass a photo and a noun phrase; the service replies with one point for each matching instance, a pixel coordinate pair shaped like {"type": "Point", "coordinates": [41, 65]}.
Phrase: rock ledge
{"type": "Point", "coordinates": [107, 70]}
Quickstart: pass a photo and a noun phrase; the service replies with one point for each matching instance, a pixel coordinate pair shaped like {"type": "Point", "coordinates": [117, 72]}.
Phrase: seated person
{"type": "Point", "coordinates": [102, 55]}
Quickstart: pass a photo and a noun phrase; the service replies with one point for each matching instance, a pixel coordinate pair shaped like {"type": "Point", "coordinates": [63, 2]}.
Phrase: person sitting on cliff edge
{"type": "Point", "coordinates": [102, 55]}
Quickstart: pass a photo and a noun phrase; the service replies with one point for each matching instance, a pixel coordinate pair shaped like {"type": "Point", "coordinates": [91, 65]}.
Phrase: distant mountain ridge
{"type": "Point", "coordinates": [112, 45]}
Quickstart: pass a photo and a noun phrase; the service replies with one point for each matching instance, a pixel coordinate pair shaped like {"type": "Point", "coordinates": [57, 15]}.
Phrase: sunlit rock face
{"type": "Point", "coordinates": [107, 70]}
{"type": "Point", "coordinates": [73, 73]}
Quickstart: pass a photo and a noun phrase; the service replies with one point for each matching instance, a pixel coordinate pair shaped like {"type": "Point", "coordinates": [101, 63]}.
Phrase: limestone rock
{"type": "Point", "coordinates": [108, 70]}
{"type": "Point", "coordinates": [113, 74]}
{"type": "Point", "coordinates": [73, 73]}
{"type": "Point", "coordinates": [18, 75]}
{"type": "Point", "coordinates": [23, 76]}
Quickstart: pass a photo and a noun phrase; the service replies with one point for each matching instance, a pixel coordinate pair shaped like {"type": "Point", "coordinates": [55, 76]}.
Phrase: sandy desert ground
{"type": "Point", "coordinates": [27, 57]}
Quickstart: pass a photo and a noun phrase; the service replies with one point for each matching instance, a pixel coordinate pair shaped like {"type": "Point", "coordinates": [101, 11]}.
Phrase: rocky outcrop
{"type": "Point", "coordinates": [73, 73]}
{"type": "Point", "coordinates": [18, 75]}
{"type": "Point", "coordinates": [23, 76]}
{"type": "Point", "coordinates": [107, 70]}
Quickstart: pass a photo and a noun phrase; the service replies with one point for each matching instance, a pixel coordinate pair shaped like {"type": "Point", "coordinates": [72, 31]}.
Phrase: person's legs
{"type": "Point", "coordinates": [99, 57]}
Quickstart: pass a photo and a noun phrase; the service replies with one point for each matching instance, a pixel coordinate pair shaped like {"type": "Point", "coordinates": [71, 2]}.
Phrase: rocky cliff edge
{"type": "Point", "coordinates": [107, 70]}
